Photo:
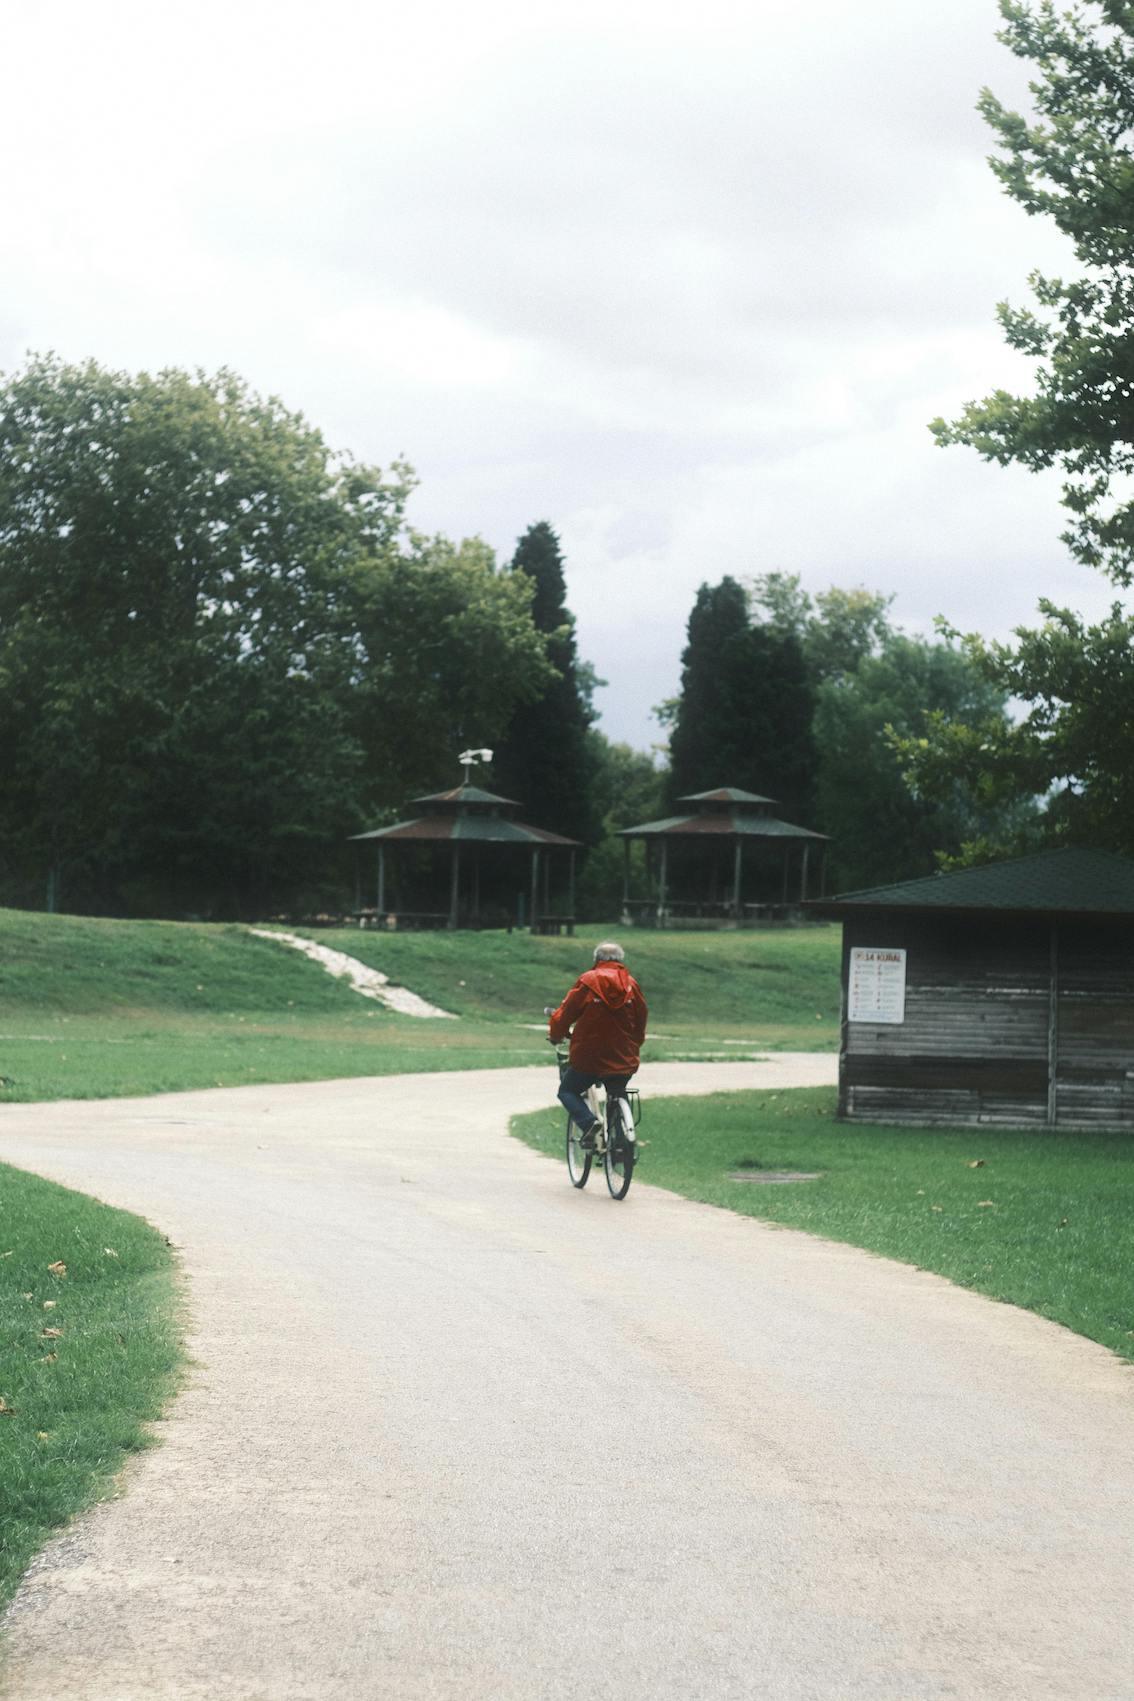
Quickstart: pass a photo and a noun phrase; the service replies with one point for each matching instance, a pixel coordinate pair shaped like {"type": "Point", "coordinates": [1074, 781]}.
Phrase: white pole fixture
{"type": "Point", "coordinates": [468, 757]}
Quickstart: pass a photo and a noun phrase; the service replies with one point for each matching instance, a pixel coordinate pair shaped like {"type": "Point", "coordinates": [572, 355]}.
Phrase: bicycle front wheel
{"type": "Point", "coordinates": [618, 1158]}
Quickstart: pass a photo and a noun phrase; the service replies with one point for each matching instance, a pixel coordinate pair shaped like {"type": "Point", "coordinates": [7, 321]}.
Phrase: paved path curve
{"type": "Point", "coordinates": [458, 1431]}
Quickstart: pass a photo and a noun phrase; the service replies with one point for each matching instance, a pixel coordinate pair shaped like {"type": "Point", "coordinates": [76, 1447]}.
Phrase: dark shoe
{"type": "Point", "coordinates": [587, 1138]}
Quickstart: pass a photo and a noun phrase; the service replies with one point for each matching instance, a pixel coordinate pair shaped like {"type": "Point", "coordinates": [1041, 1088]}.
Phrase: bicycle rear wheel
{"type": "Point", "coordinates": [618, 1159]}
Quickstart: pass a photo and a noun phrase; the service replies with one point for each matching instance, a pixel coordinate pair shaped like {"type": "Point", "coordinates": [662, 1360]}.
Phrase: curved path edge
{"type": "Point", "coordinates": [440, 1398]}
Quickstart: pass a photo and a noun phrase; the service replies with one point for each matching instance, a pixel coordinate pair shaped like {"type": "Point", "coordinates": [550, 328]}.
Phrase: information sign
{"type": "Point", "coordinates": [877, 989]}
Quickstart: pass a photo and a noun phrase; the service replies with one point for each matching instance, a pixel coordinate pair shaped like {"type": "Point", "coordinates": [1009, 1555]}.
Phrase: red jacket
{"type": "Point", "coordinates": [609, 1013]}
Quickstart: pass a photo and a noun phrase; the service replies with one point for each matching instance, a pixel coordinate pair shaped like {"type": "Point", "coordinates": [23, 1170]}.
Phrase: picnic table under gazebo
{"type": "Point", "coordinates": [480, 830]}
{"type": "Point", "coordinates": [719, 821]}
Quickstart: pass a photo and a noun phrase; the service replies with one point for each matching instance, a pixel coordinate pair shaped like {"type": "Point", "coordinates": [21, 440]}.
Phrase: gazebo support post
{"type": "Point", "coordinates": [736, 868]}
{"type": "Point", "coordinates": [626, 875]}
{"type": "Point", "coordinates": [381, 880]}
{"type": "Point", "coordinates": [787, 860]}
{"type": "Point", "coordinates": [533, 927]}
{"type": "Point", "coordinates": [661, 884]}
{"type": "Point", "coordinates": [571, 888]}
{"type": "Point", "coordinates": [455, 887]}
{"type": "Point", "coordinates": [803, 875]}
{"type": "Point", "coordinates": [476, 889]}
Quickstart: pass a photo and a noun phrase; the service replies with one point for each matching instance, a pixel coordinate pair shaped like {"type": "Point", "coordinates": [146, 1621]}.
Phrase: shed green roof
{"type": "Point", "coordinates": [1056, 882]}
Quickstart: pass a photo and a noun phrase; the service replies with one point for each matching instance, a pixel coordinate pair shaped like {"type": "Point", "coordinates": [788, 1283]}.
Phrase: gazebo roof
{"type": "Point", "coordinates": [466, 794]}
{"type": "Point", "coordinates": [1057, 882]}
{"type": "Point", "coordinates": [465, 814]}
{"type": "Point", "coordinates": [725, 812]}
{"type": "Point", "coordinates": [478, 829]}
{"type": "Point", "coordinates": [726, 794]}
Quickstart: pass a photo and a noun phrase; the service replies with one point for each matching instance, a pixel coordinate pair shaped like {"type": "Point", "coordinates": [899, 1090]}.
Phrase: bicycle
{"type": "Point", "coordinates": [616, 1140]}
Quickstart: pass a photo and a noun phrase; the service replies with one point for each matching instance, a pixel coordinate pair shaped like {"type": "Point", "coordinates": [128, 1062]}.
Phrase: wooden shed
{"type": "Point", "coordinates": [1002, 994]}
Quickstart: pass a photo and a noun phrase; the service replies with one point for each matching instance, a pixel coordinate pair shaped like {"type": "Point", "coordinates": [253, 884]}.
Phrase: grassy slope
{"type": "Point", "coordinates": [1045, 1222]}
{"type": "Point", "coordinates": [92, 1008]}
{"type": "Point", "coordinates": [75, 1401]}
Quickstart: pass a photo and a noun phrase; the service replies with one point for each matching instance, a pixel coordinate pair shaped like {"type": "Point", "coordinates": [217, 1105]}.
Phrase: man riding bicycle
{"type": "Point", "coordinates": [608, 1012]}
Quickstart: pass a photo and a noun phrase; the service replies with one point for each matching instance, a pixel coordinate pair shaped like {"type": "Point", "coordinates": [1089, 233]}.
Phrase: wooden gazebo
{"type": "Point", "coordinates": [725, 817]}
{"type": "Point", "coordinates": [474, 824]}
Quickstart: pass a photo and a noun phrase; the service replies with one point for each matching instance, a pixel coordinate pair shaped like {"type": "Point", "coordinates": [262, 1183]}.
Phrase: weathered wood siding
{"type": "Point", "coordinates": [1094, 1083]}
{"type": "Point", "coordinates": [983, 1025]}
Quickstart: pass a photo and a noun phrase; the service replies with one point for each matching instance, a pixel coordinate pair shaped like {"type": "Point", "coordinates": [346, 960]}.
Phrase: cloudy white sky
{"type": "Point", "coordinates": [686, 280]}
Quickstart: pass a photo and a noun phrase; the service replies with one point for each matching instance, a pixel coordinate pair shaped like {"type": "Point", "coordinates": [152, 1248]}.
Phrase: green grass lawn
{"type": "Point", "coordinates": [94, 1009]}
{"type": "Point", "coordinates": [89, 1350]}
{"type": "Point", "coordinates": [1038, 1219]}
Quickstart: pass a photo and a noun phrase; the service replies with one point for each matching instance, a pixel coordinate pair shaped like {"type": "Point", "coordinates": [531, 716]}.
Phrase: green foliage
{"type": "Point", "coordinates": [1074, 746]}
{"type": "Point", "coordinates": [547, 759]}
{"type": "Point", "coordinates": [171, 653]}
{"type": "Point", "coordinates": [876, 692]}
{"type": "Point", "coordinates": [744, 714]}
{"type": "Point", "coordinates": [1044, 1222]}
{"type": "Point", "coordinates": [446, 650]}
{"type": "Point", "coordinates": [219, 654]}
{"type": "Point", "coordinates": [91, 1349]}
{"type": "Point", "coordinates": [628, 787]}
{"type": "Point", "coordinates": [1072, 162]}
{"type": "Point", "coordinates": [836, 630]}
{"type": "Point", "coordinates": [883, 828]}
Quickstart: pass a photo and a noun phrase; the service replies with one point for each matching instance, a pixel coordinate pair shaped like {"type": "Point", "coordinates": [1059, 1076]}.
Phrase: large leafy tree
{"type": "Point", "coordinates": [743, 717]}
{"type": "Point", "coordinates": [547, 757]}
{"type": "Point", "coordinates": [218, 652]}
{"type": "Point", "coordinates": [446, 650]}
{"type": "Point", "coordinates": [874, 688]}
{"type": "Point", "coordinates": [1072, 160]}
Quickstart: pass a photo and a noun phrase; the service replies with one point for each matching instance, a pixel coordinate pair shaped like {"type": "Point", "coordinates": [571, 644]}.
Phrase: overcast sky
{"type": "Point", "coordinates": [688, 281]}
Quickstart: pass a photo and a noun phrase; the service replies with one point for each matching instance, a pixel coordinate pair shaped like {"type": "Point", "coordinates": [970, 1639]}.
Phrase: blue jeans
{"type": "Point", "coordinates": [574, 1084]}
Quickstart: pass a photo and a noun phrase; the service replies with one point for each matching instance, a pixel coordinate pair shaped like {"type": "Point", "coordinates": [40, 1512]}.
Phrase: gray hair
{"type": "Point", "coordinates": [609, 951]}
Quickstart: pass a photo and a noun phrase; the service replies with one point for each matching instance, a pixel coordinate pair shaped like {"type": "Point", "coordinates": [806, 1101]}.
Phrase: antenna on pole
{"type": "Point", "coordinates": [468, 757]}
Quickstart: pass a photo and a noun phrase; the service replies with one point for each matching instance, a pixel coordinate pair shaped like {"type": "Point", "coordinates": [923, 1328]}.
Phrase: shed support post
{"type": "Point", "coordinates": [535, 892]}
{"type": "Point", "coordinates": [787, 859]}
{"type": "Point", "coordinates": [357, 879]}
{"type": "Point", "coordinates": [625, 874]}
{"type": "Point", "coordinates": [381, 881]}
{"type": "Point", "coordinates": [661, 884]}
{"type": "Point", "coordinates": [736, 878]}
{"type": "Point", "coordinates": [455, 887]}
{"type": "Point", "coordinates": [476, 889]}
{"type": "Point", "coordinates": [1053, 1032]}
{"type": "Point", "coordinates": [803, 874]}
{"type": "Point", "coordinates": [571, 889]}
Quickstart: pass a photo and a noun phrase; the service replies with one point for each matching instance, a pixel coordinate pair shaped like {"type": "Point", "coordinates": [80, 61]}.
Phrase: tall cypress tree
{"type": "Point", "coordinates": [745, 710]}
{"type": "Point", "coordinates": [546, 759]}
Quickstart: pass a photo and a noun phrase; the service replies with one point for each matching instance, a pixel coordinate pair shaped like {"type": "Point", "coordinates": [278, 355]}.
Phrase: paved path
{"type": "Point", "coordinates": [460, 1432]}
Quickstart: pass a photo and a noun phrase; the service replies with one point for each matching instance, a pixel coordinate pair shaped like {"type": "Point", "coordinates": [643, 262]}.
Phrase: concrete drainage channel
{"type": "Point", "coordinates": [769, 1177]}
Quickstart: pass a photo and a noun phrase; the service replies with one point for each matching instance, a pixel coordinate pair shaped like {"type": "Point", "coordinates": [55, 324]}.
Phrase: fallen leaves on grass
{"type": "Point", "coordinates": [50, 1334]}
{"type": "Point", "coordinates": [981, 1203]}
{"type": "Point", "coordinates": [976, 1163]}
{"type": "Point", "coordinates": [109, 1252]}
{"type": "Point", "coordinates": [5, 1409]}
{"type": "Point", "coordinates": [58, 1268]}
